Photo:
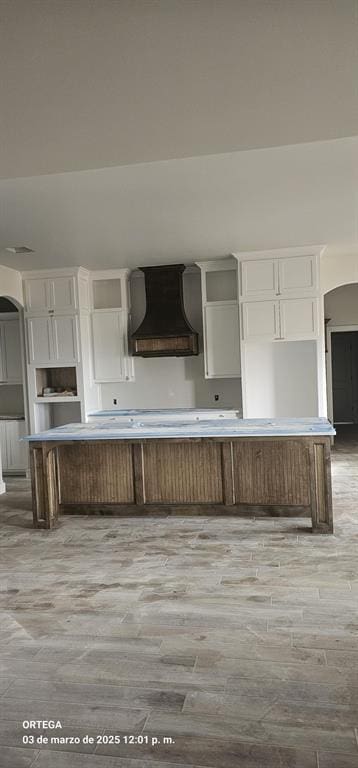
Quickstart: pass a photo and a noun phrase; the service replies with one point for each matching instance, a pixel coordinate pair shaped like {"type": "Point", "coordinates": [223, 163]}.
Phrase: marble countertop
{"type": "Point", "coordinates": [109, 429]}
{"type": "Point", "coordinates": [164, 414]}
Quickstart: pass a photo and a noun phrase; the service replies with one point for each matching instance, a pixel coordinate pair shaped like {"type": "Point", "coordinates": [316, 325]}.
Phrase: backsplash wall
{"type": "Point", "coordinates": [173, 382]}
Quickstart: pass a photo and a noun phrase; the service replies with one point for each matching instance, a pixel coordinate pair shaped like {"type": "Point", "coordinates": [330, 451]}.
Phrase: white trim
{"type": "Point", "coordinates": [277, 253]}
{"type": "Point", "coordinates": [333, 329]}
{"type": "Point", "coordinates": [2, 487]}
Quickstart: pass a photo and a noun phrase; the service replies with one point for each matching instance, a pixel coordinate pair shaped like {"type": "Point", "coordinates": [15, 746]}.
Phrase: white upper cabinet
{"type": "Point", "coordinates": [297, 275]}
{"type": "Point", "coordinates": [37, 297]}
{"type": "Point", "coordinates": [39, 340]}
{"type": "Point", "coordinates": [222, 341]}
{"type": "Point", "coordinates": [221, 328]}
{"type": "Point", "coordinates": [260, 320]}
{"type": "Point", "coordinates": [65, 338]}
{"type": "Point", "coordinates": [279, 294]}
{"type": "Point", "coordinates": [284, 320]}
{"type": "Point", "coordinates": [299, 319]}
{"type": "Point", "coordinates": [294, 275]}
{"type": "Point", "coordinates": [108, 346]}
{"type": "Point", "coordinates": [52, 340]}
{"type": "Point", "coordinates": [62, 291]}
{"type": "Point", "coordinates": [10, 352]}
{"type": "Point", "coordinates": [258, 278]}
{"type": "Point", "coordinates": [110, 322]}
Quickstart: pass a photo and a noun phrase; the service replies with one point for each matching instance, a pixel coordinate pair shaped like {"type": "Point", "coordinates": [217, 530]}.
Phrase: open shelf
{"type": "Point", "coordinates": [68, 399]}
{"type": "Point", "coordinates": [59, 379]}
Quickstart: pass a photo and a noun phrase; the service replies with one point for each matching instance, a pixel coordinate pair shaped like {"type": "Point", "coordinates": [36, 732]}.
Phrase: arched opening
{"type": "Point", "coordinates": [13, 391]}
{"type": "Point", "coordinates": [341, 320]}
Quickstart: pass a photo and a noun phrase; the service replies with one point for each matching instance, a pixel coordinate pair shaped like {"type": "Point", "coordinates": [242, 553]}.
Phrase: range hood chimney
{"type": "Point", "coordinates": [165, 330]}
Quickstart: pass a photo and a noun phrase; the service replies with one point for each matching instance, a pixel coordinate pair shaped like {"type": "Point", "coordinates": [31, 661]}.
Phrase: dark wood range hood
{"type": "Point", "coordinates": [165, 330]}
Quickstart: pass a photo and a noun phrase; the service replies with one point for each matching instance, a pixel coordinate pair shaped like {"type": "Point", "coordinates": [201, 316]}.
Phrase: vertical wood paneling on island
{"type": "Point", "coordinates": [182, 473]}
{"type": "Point", "coordinates": [321, 487]}
{"type": "Point", "coordinates": [94, 473]}
{"type": "Point", "coordinates": [271, 472]}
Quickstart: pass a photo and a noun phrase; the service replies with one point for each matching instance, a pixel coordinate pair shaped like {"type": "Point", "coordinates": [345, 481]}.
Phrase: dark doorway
{"type": "Point", "coordinates": [345, 377]}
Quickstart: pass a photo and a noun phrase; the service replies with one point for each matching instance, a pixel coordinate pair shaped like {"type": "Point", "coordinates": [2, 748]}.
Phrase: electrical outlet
{"type": "Point", "coordinates": [114, 401]}
{"type": "Point", "coordinates": [216, 397]}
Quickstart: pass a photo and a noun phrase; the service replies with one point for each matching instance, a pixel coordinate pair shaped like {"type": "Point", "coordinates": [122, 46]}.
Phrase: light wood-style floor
{"type": "Point", "coordinates": [237, 639]}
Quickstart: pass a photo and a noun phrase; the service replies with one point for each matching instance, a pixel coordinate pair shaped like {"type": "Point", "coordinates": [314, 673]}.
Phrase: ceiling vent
{"type": "Point", "coordinates": [165, 330]}
{"type": "Point", "coordinates": [19, 249]}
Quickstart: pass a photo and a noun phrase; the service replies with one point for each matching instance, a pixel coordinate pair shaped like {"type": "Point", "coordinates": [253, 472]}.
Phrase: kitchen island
{"type": "Point", "coordinates": [212, 466]}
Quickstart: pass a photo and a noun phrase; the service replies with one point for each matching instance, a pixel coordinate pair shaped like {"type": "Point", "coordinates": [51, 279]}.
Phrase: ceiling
{"type": "Point", "coordinates": [136, 132]}
{"type": "Point", "coordinates": [184, 210]}
{"type": "Point", "coordinates": [96, 83]}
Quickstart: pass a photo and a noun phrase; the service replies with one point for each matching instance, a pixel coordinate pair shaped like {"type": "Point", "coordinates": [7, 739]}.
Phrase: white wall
{"type": "Point", "coordinates": [281, 379]}
{"type": "Point", "coordinates": [339, 266]}
{"type": "Point", "coordinates": [11, 284]}
{"type": "Point", "coordinates": [341, 305]}
{"type": "Point", "coordinates": [173, 382]}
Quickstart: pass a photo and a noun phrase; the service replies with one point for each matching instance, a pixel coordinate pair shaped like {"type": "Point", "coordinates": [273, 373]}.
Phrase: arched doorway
{"type": "Point", "coordinates": [13, 391]}
{"type": "Point", "coordinates": [341, 319]}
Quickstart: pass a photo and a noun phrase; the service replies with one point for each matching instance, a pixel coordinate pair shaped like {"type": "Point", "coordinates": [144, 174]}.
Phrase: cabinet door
{"type": "Point", "coordinates": [222, 341]}
{"type": "Point", "coordinates": [37, 294]}
{"type": "Point", "coordinates": [16, 449]}
{"type": "Point", "coordinates": [62, 291]}
{"type": "Point", "coordinates": [259, 278]}
{"type": "Point", "coordinates": [3, 446]}
{"type": "Point", "coordinates": [260, 320]}
{"type": "Point", "coordinates": [12, 351]}
{"type": "Point", "coordinates": [65, 339]}
{"type": "Point", "coordinates": [108, 346]}
{"type": "Point", "coordinates": [297, 275]}
{"type": "Point", "coordinates": [299, 319]}
{"type": "Point", "coordinates": [39, 335]}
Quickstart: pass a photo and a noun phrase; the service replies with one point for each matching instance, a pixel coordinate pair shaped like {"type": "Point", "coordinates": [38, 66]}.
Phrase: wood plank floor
{"type": "Point", "coordinates": [233, 642]}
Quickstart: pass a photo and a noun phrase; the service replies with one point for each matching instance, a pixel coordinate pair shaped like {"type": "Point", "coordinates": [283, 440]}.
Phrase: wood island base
{"type": "Point", "coordinates": [208, 475]}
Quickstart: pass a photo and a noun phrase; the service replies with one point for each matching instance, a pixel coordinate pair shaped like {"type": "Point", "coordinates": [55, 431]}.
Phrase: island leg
{"type": "Point", "coordinates": [44, 481]}
{"type": "Point", "coordinates": [321, 489]}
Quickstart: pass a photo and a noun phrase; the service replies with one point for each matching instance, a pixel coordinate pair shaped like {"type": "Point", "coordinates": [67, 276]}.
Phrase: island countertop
{"type": "Point", "coordinates": [115, 429]}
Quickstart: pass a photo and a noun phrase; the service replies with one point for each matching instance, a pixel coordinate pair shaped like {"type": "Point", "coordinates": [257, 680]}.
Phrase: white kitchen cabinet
{"type": "Point", "coordinates": [52, 340]}
{"type": "Point", "coordinates": [110, 346]}
{"type": "Point", "coordinates": [260, 320]}
{"type": "Point", "coordinates": [37, 296]}
{"type": "Point", "coordinates": [47, 295]}
{"type": "Point", "coordinates": [221, 326]}
{"type": "Point", "coordinates": [258, 278]}
{"type": "Point", "coordinates": [287, 319]}
{"type": "Point", "coordinates": [13, 449]}
{"type": "Point", "coordinates": [65, 338]}
{"type": "Point", "coordinates": [275, 277]}
{"type": "Point", "coordinates": [10, 352]}
{"type": "Point", "coordinates": [299, 319]}
{"type": "Point", "coordinates": [222, 340]}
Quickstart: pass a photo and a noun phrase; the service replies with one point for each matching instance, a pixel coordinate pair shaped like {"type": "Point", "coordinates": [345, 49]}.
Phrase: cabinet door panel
{"type": "Point", "coordinates": [12, 351]}
{"type": "Point", "coordinates": [65, 344]}
{"type": "Point", "coordinates": [16, 449]}
{"type": "Point", "coordinates": [297, 274]}
{"type": "Point", "coordinates": [222, 341]}
{"type": "Point", "coordinates": [39, 334]}
{"type": "Point", "coordinates": [63, 293]}
{"type": "Point", "coordinates": [299, 319]}
{"type": "Point", "coordinates": [258, 278]}
{"type": "Point", "coordinates": [108, 346]}
{"type": "Point", "coordinates": [37, 294]}
{"type": "Point", "coordinates": [260, 320]}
